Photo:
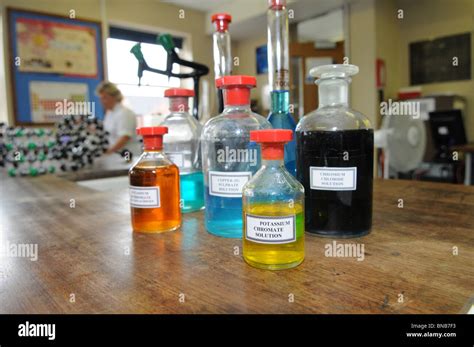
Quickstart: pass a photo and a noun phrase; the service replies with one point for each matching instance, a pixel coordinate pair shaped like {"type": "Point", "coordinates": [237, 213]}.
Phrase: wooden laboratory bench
{"type": "Point", "coordinates": [89, 261]}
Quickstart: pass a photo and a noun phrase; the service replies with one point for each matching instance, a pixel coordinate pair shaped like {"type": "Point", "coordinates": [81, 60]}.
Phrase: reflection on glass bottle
{"type": "Point", "coordinates": [154, 186]}
{"type": "Point", "coordinates": [182, 146]}
{"type": "Point", "coordinates": [335, 147]}
{"type": "Point", "coordinates": [273, 208]}
{"type": "Point", "coordinates": [229, 159]}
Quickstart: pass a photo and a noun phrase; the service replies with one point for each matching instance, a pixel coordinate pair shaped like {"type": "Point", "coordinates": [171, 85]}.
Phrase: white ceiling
{"type": "Point", "coordinates": [328, 27]}
{"type": "Point", "coordinates": [200, 5]}
{"type": "Point", "coordinates": [249, 16]}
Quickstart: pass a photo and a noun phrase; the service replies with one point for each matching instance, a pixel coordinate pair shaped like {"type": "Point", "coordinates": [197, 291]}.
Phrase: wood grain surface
{"type": "Point", "coordinates": [89, 261]}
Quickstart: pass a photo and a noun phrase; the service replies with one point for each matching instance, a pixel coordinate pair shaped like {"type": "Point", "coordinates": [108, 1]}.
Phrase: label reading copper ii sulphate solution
{"type": "Point", "coordinates": [145, 197]}
{"type": "Point", "coordinates": [228, 184]}
{"type": "Point", "coordinates": [263, 229]}
{"type": "Point", "coordinates": [333, 178]}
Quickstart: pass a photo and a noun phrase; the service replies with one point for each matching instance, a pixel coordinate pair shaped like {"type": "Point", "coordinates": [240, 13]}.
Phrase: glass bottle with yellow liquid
{"type": "Point", "coordinates": [154, 186]}
{"type": "Point", "coordinates": [273, 208]}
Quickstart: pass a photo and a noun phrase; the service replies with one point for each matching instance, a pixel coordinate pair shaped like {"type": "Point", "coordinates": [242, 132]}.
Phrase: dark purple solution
{"type": "Point", "coordinates": [337, 213]}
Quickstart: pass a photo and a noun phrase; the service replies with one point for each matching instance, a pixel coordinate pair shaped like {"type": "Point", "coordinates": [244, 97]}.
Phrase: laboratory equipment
{"type": "Point", "coordinates": [166, 41]}
{"type": "Point", "coordinates": [181, 145]}
{"type": "Point", "coordinates": [154, 186]}
{"type": "Point", "coordinates": [229, 159]}
{"type": "Point", "coordinates": [221, 48]}
{"type": "Point", "coordinates": [277, 41]}
{"type": "Point", "coordinates": [280, 117]}
{"type": "Point", "coordinates": [335, 150]}
{"type": "Point", "coordinates": [273, 208]}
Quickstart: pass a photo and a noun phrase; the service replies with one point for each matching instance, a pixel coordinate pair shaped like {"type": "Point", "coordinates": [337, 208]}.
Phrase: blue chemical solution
{"type": "Point", "coordinates": [192, 192]}
{"type": "Point", "coordinates": [223, 215]}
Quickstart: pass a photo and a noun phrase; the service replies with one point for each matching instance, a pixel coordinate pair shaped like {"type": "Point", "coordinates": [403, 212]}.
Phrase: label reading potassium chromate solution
{"type": "Point", "coordinates": [265, 229]}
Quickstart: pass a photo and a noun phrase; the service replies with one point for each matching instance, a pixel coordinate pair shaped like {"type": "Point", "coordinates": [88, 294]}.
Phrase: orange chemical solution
{"type": "Point", "coordinates": [154, 187]}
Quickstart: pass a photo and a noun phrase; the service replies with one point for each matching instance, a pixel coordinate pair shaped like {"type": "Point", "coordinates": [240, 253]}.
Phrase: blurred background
{"type": "Point", "coordinates": [419, 51]}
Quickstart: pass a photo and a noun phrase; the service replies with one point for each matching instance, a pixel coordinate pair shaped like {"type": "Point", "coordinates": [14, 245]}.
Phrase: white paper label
{"type": "Point", "coordinates": [333, 178]}
{"type": "Point", "coordinates": [145, 197]}
{"type": "Point", "coordinates": [228, 184]}
{"type": "Point", "coordinates": [264, 229]}
{"type": "Point", "coordinates": [176, 158]}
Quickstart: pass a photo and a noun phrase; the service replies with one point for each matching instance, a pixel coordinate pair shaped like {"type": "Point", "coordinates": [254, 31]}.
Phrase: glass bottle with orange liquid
{"type": "Point", "coordinates": [154, 186]}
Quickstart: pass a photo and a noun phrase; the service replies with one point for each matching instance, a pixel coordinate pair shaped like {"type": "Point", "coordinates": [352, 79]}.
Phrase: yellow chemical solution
{"type": "Point", "coordinates": [273, 208]}
{"type": "Point", "coordinates": [275, 256]}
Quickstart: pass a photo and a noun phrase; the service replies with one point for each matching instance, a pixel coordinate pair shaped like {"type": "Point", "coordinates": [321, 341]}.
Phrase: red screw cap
{"type": "Point", "coordinates": [272, 142]}
{"type": "Point", "coordinates": [152, 137]}
{"type": "Point", "coordinates": [276, 4]}
{"type": "Point", "coordinates": [271, 135]}
{"type": "Point", "coordinates": [221, 21]}
{"type": "Point", "coordinates": [236, 89]}
{"type": "Point", "coordinates": [152, 131]}
{"type": "Point", "coordinates": [221, 16]}
{"type": "Point", "coordinates": [236, 81]}
{"type": "Point", "coordinates": [174, 92]}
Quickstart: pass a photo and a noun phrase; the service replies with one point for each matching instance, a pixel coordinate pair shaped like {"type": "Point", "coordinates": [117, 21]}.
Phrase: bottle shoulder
{"type": "Point", "coordinates": [181, 119]}
{"type": "Point", "coordinates": [333, 118]}
{"type": "Point", "coordinates": [273, 182]}
{"type": "Point", "coordinates": [282, 120]}
{"type": "Point", "coordinates": [181, 128]}
{"type": "Point", "coordinates": [152, 160]}
{"type": "Point", "coordinates": [234, 124]}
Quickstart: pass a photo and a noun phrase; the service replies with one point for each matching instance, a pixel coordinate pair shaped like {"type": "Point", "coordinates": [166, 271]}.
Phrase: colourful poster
{"type": "Point", "coordinates": [52, 47]}
{"type": "Point", "coordinates": [50, 101]}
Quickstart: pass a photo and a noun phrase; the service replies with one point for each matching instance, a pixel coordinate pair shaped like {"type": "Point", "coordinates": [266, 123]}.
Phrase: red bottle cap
{"type": "Point", "coordinates": [222, 21]}
{"type": "Point", "coordinates": [272, 142]}
{"type": "Point", "coordinates": [236, 88]}
{"type": "Point", "coordinates": [179, 98]}
{"type": "Point", "coordinates": [171, 92]}
{"type": "Point", "coordinates": [152, 137]}
{"type": "Point", "coordinates": [276, 4]}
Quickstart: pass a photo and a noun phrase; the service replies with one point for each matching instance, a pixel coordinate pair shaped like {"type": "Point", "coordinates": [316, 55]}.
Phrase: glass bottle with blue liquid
{"type": "Point", "coordinates": [278, 76]}
{"type": "Point", "coordinates": [182, 146]}
{"type": "Point", "coordinates": [229, 159]}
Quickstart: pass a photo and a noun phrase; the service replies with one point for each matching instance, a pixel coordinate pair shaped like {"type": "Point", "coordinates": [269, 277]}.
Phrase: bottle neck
{"type": "Point", "coordinates": [273, 163]}
{"type": "Point", "coordinates": [152, 143]}
{"type": "Point", "coordinates": [222, 54]}
{"type": "Point", "coordinates": [280, 101]}
{"type": "Point", "coordinates": [222, 26]}
{"type": "Point", "coordinates": [179, 104]}
{"type": "Point", "coordinates": [333, 91]}
{"type": "Point", "coordinates": [273, 152]}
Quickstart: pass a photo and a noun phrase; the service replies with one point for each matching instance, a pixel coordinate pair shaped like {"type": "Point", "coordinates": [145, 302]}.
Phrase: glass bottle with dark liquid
{"type": "Point", "coordinates": [335, 147]}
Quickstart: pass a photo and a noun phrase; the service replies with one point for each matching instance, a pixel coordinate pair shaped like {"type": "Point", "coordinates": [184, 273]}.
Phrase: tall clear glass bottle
{"type": "Point", "coordinates": [273, 208]}
{"type": "Point", "coordinates": [229, 159]}
{"type": "Point", "coordinates": [221, 48]}
{"type": "Point", "coordinates": [278, 38]}
{"type": "Point", "coordinates": [335, 147]}
{"type": "Point", "coordinates": [154, 186]}
{"type": "Point", "coordinates": [182, 146]}
{"type": "Point", "coordinates": [280, 117]}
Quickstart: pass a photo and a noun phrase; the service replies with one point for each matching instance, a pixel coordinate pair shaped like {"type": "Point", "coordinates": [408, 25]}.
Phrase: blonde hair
{"type": "Point", "coordinates": [110, 89]}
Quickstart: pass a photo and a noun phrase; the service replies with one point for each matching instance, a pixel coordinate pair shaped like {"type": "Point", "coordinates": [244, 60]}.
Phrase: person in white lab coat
{"type": "Point", "coordinates": [120, 121]}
